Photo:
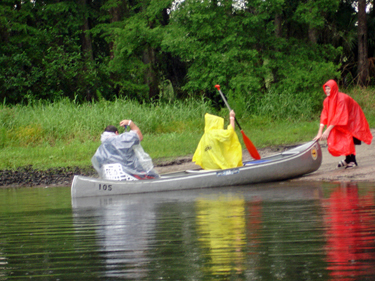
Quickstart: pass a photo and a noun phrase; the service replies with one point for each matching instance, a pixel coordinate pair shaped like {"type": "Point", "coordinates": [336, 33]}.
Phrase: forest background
{"type": "Point", "coordinates": [69, 68]}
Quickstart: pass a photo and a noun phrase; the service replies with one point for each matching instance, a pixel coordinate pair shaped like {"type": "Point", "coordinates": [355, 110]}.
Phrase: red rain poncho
{"type": "Point", "coordinates": [348, 118]}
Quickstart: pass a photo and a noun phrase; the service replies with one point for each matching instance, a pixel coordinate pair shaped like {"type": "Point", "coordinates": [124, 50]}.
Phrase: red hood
{"type": "Point", "coordinates": [334, 88]}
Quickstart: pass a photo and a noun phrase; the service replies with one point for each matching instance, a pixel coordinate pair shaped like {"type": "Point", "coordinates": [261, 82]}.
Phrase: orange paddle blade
{"type": "Point", "coordinates": [250, 147]}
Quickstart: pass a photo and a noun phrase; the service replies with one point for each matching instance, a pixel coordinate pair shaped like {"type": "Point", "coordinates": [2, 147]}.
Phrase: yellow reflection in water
{"type": "Point", "coordinates": [221, 228]}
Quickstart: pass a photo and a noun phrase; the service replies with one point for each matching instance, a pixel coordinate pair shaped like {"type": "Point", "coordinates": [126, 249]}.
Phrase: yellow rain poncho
{"type": "Point", "coordinates": [218, 148]}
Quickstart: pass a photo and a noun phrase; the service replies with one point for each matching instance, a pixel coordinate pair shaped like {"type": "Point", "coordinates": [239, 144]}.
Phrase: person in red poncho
{"type": "Point", "coordinates": [346, 125]}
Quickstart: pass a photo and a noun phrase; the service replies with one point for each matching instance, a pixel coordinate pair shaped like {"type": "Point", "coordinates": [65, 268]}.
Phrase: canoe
{"type": "Point", "coordinates": [295, 162]}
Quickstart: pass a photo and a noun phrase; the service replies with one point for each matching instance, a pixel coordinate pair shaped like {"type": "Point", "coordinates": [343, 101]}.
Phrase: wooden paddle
{"type": "Point", "coordinates": [249, 145]}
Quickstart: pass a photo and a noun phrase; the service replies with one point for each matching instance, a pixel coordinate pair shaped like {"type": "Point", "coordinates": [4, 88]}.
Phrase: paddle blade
{"type": "Point", "coordinates": [250, 147]}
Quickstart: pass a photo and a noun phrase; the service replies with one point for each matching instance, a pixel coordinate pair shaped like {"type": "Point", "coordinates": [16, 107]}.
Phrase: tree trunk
{"type": "Point", "coordinates": [85, 37]}
{"type": "Point", "coordinates": [313, 38]}
{"type": "Point", "coordinates": [150, 75]}
{"type": "Point", "coordinates": [278, 30]}
{"type": "Point", "coordinates": [116, 15]}
{"type": "Point", "coordinates": [362, 44]}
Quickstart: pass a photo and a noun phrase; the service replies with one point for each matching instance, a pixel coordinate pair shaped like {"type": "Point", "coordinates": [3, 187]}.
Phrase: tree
{"type": "Point", "coordinates": [137, 62]}
{"type": "Point", "coordinates": [363, 65]}
{"type": "Point", "coordinates": [43, 52]}
{"type": "Point", "coordinates": [85, 35]}
{"type": "Point", "coordinates": [238, 48]}
{"type": "Point", "coordinates": [258, 50]}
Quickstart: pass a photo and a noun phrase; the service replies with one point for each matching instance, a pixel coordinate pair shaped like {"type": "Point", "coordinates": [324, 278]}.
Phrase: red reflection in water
{"type": "Point", "coordinates": [254, 223]}
{"type": "Point", "coordinates": [349, 223]}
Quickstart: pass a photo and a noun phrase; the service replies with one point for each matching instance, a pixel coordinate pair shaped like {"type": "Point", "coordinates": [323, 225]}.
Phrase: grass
{"type": "Point", "coordinates": [65, 134]}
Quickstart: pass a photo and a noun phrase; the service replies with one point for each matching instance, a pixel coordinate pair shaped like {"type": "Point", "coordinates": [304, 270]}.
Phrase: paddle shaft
{"type": "Point", "coordinates": [226, 103]}
{"type": "Point", "coordinates": [249, 145]}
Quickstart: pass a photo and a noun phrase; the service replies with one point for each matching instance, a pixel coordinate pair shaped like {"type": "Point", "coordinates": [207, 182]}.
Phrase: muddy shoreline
{"type": "Point", "coordinates": [30, 177]}
{"type": "Point", "coordinates": [328, 171]}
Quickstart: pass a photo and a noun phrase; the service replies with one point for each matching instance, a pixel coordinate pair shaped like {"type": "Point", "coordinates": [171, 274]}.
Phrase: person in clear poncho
{"type": "Point", "coordinates": [121, 156]}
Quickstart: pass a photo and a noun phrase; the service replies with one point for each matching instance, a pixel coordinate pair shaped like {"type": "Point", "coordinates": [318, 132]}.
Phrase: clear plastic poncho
{"type": "Point", "coordinates": [121, 157]}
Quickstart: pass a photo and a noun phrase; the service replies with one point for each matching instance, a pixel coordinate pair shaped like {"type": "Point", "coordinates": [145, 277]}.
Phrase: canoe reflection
{"type": "Point", "coordinates": [121, 235]}
{"type": "Point", "coordinates": [218, 231]}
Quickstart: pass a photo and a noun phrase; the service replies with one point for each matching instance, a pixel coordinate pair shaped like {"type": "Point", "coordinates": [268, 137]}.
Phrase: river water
{"type": "Point", "coordinates": [279, 231]}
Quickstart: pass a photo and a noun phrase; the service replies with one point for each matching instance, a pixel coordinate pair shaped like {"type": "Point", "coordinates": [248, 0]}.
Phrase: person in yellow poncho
{"type": "Point", "coordinates": [218, 148]}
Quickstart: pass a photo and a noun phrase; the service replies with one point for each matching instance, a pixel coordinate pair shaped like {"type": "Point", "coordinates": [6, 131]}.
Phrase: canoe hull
{"type": "Point", "coordinates": [296, 162]}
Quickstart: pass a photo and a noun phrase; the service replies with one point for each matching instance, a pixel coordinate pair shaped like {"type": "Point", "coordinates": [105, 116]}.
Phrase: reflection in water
{"type": "Point", "coordinates": [254, 225]}
{"type": "Point", "coordinates": [122, 236]}
{"type": "Point", "coordinates": [124, 233]}
{"type": "Point", "coordinates": [349, 222]}
{"type": "Point", "coordinates": [221, 229]}
{"type": "Point", "coordinates": [3, 264]}
{"type": "Point", "coordinates": [251, 234]}
{"type": "Point", "coordinates": [266, 232]}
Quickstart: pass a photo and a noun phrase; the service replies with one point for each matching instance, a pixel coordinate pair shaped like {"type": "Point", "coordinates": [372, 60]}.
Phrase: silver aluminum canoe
{"type": "Point", "coordinates": [292, 163]}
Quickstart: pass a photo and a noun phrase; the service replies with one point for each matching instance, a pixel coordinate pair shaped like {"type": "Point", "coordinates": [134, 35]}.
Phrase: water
{"type": "Point", "coordinates": [278, 231]}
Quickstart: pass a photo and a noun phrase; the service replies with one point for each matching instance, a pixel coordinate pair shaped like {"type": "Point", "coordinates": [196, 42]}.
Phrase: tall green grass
{"type": "Point", "coordinates": [40, 123]}
{"type": "Point", "coordinates": [64, 133]}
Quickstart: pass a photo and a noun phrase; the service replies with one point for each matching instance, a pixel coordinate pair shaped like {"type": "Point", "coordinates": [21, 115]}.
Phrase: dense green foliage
{"type": "Point", "coordinates": [258, 51]}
